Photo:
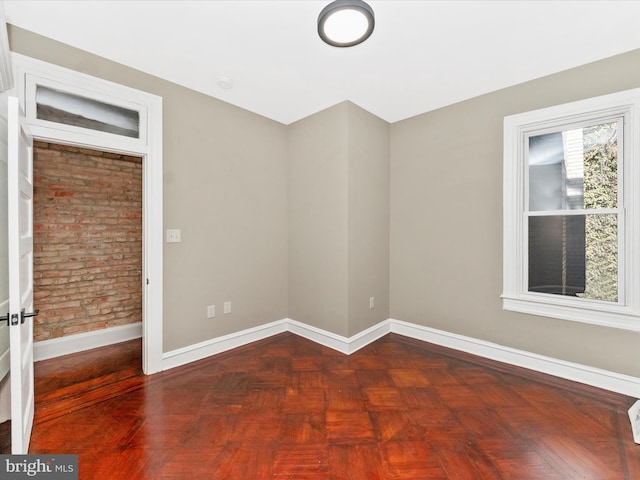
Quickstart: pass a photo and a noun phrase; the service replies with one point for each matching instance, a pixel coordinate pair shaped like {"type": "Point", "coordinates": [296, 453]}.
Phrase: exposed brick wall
{"type": "Point", "coordinates": [87, 240]}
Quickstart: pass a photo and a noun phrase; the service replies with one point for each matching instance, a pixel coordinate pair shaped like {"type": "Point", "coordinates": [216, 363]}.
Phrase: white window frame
{"type": "Point", "coordinates": [625, 314]}
{"type": "Point", "coordinates": [29, 72]}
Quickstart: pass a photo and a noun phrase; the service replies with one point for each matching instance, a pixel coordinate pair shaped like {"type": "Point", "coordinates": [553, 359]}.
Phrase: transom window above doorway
{"type": "Point", "coordinates": [63, 107]}
{"type": "Point", "coordinates": [75, 108]}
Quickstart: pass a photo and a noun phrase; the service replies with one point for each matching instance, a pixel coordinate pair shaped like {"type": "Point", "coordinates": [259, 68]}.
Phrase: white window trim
{"type": "Point", "coordinates": [625, 314]}
{"type": "Point", "coordinates": [28, 72]}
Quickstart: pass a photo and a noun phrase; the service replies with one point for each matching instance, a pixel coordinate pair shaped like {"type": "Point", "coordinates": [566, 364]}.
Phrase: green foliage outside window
{"type": "Point", "coordinates": [601, 191]}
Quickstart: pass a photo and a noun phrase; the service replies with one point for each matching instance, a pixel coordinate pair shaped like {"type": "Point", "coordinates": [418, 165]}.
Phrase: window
{"type": "Point", "coordinates": [61, 107]}
{"type": "Point", "coordinates": [76, 108]}
{"type": "Point", "coordinates": [571, 213]}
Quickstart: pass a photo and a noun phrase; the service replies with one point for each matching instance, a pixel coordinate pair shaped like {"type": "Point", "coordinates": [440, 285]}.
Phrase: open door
{"type": "Point", "coordinates": [20, 246]}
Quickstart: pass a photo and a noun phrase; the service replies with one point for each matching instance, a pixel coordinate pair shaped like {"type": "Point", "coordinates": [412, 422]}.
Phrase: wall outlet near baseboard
{"type": "Point", "coordinates": [634, 417]}
{"type": "Point", "coordinates": [211, 311]}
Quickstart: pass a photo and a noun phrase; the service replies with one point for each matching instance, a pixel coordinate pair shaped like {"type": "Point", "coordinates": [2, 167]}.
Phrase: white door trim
{"type": "Point", "coordinates": [148, 146]}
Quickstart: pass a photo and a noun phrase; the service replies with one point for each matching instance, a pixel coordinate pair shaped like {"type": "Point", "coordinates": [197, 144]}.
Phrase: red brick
{"type": "Point", "coordinates": [87, 240]}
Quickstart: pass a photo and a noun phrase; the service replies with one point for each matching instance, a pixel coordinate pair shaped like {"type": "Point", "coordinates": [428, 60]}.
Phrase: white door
{"type": "Point", "coordinates": [20, 243]}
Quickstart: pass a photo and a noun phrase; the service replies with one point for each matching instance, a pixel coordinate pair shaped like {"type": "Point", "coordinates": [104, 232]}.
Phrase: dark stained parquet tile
{"type": "Point", "coordinates": [287, 408]}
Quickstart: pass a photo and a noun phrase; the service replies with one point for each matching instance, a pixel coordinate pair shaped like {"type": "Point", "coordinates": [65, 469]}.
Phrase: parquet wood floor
{"type": "Point", "coordinates": [287, 408]}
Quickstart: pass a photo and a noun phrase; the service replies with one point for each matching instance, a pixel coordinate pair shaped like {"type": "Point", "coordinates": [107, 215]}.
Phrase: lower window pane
{"type": "Point", "coordinates": [574, 255]}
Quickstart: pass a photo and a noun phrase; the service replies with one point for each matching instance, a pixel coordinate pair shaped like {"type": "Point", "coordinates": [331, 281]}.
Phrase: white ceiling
{"type": "Point", "coordinates": [422, 55]}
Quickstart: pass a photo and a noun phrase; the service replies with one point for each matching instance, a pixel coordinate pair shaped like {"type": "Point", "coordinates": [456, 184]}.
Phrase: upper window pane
{"type": "Point", "coordinates": [574, 168]}
{"type": "Point", "coordinates": [61, 107]}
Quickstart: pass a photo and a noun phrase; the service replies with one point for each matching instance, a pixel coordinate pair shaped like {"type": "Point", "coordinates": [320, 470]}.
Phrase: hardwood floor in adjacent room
{"type": "Point", "coordinates": [287, 408]}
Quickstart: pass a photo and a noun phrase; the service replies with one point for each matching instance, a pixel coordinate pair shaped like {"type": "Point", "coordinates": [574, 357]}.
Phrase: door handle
{"type": "Point", "coordinates": [24, 315]}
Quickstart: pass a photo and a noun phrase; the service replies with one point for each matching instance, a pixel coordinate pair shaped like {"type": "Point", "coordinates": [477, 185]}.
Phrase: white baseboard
{"type": "Point", "coordinates": [595, 377]}
{"type": "Point", "coordinates": [338, 342]}
{"type": "Point", "coordinates": [201, 350]}
{"type": "Point", "coordinates": [345, 345]}
{"type": "Point", "coordinates": [604, 379]}
{"type": "Point", "coordinates": [57, 347]}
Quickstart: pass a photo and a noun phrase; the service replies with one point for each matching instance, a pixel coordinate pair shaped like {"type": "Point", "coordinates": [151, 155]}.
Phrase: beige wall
{"type": "Point", "coordinates": [339, 219]}
{"type": "Point", "coordinates": [225, 187]}
{"type": "Point", "coordinates": [446, 221]}
{"type": "Point", "coordinates": [318, 233]}
{"type": "Point", "coordinates": [368, 222]}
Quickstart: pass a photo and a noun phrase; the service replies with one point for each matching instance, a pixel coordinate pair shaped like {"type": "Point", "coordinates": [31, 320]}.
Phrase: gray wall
{"type": "Point", "coordinates": [368, 212]}
{"type": "Point", "coordinates": [318, 231]}
{"type": "Point", "coordinates": [225, 187]}
{"type": "Point", "coordinates": [446, 221]}
{"type": "Point", "coordinates": [339, 219]}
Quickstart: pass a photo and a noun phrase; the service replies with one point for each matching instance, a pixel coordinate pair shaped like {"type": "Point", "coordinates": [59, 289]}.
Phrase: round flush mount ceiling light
{"type": "Point", "coordinates": [345, 23]}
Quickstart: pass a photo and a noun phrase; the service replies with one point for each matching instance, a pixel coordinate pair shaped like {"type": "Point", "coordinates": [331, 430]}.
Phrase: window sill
{"type": "Point", "coordinates": [611, 317]}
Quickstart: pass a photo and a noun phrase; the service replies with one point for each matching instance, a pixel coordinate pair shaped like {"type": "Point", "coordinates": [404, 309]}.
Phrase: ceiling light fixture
{"type": "Point", "coordinates": [345, 23]}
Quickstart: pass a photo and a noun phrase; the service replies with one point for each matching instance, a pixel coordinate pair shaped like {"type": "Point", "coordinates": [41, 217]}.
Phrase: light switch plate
{"type": "Point", "coordinates": [173, 236]}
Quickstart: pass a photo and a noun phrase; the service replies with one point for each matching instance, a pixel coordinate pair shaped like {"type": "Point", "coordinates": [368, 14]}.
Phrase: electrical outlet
{"type": "Point", "coordinates": [372, 302]}
{"type": "Point", "coordinates": [227, 307]}
{"type": "Point", "coordinates": [634, 417]}
{"type": "Point", "coordinates": [211, 311]}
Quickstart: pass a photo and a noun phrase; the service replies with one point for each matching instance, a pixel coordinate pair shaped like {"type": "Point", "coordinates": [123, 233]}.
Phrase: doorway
{"type": "Point", "coordinates": [87, 240]}
{"type": "Point", "coordinates": [33, 76]}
